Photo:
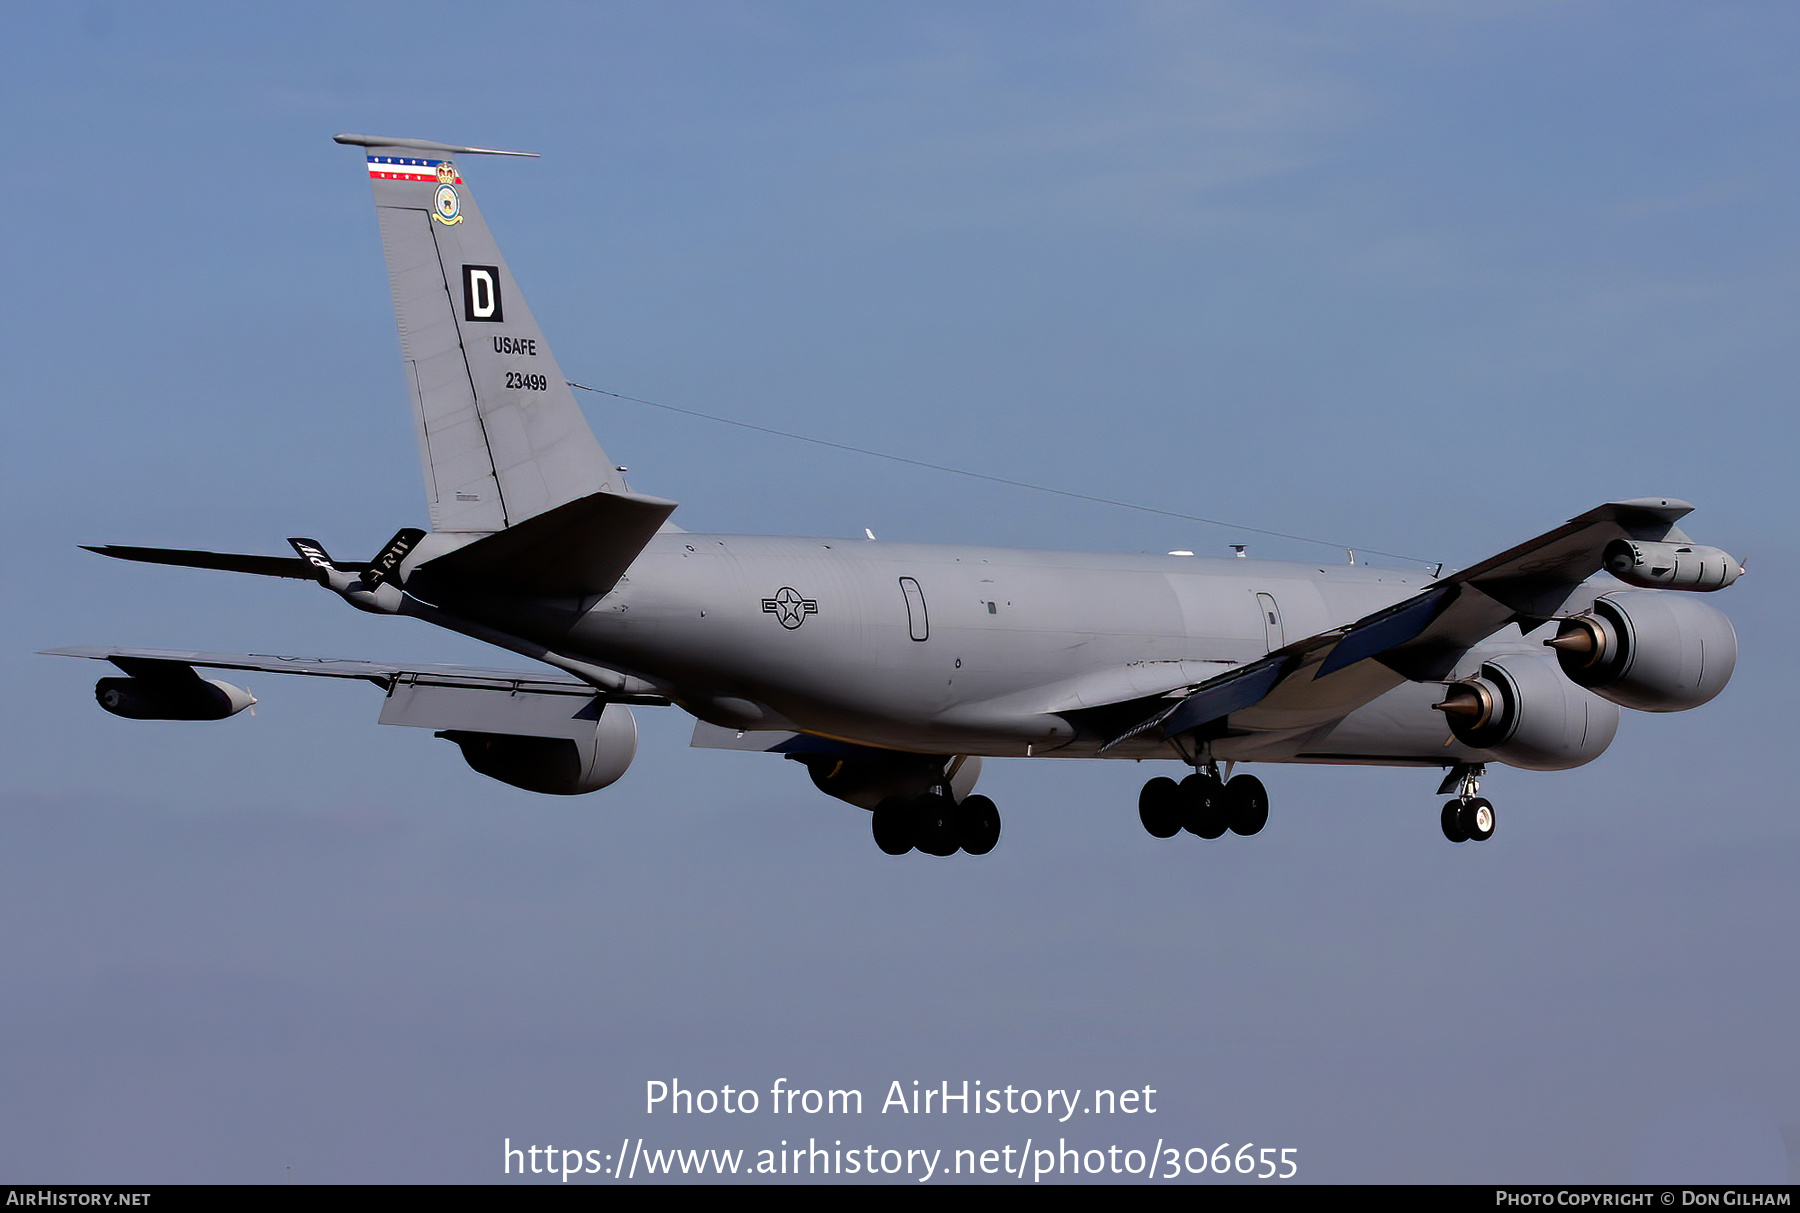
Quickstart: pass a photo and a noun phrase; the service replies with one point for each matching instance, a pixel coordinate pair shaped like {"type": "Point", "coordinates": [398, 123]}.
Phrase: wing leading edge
{"type": "Point", "coordinates": [465, 704]}
{"type": "Point", "coordinates": [1323, 678]}
{"type": "Point", "coordinates": [383, 674]}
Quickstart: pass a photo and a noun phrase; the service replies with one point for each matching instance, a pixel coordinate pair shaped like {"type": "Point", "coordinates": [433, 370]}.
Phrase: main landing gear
{"type": "Point", "coordinates": [936, 824]}
{"type": "Point", "coordinates": [1468, 818]}
{"type": "Point", "coordinates": [1204, 804]}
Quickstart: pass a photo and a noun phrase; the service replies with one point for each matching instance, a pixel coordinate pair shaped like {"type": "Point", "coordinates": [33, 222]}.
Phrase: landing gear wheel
{"type": "Point", "coordinates": [1246, 805]}
{"type": "Point", "coordinates": [1452, 821]}
{"type": "Point", "coordinates": [892, 822]}
{"type": "Point", "coordinates": [1478, 819]}
{"type": "Point", "coordinates": [978, 825]}
{"type": "Point", "coordinates": [1203, 805]}
{"type": "Point", "coordinates": [1159, 807]}
{"type": "Point", "coordinates": [934, 825]}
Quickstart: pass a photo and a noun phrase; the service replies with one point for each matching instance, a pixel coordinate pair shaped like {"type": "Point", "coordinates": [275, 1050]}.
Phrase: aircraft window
{"type": "Point", "coordinates": [1271, 613]}
{"type": "Point", "coordinates": [916, 622]}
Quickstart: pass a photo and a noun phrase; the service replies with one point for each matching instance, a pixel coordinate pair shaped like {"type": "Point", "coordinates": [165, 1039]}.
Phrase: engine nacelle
{"type": "Point", "coordinates": [1526, 714]}
{"type": "Point", "coordinates": [867, 781]}
{"type": "Point", "coordinates": [188, 698]}
{"type": "Point", "coordinates": [1670, 566]}
{"type": "Point", "coordinates": [1652, 652]}
{"type": "Point", "coordinates": [555, 766]}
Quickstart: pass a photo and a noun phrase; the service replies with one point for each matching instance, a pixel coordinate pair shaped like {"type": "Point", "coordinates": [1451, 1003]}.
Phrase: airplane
{"type": "Point", "coordinates": [891, 670]}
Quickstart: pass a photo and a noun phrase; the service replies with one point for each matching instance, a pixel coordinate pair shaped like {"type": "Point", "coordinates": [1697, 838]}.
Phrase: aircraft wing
{"type": "Point", "coordinates": [383, 674]}
{"type": "Point", "coordinates": [450, 698]}
{"type": "Point", "coordinates": [579, 548]}
{"type": "Point", "coordinates": [1323, 678]}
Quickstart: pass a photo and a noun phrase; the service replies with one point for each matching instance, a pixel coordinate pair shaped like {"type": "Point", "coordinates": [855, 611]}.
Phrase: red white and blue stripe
{"type": "Point", "coordinates": [405, 168]}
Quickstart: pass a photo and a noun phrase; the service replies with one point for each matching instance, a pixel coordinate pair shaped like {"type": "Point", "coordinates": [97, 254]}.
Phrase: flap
{"type": "Point", "coordinates": [491, 710]}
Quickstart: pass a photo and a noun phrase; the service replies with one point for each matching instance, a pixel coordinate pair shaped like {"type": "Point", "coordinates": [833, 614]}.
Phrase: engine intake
{"type": "Point", "coordinates": [189, 698]}
{"type": "Point", "coordinates": [1520, 710]}
{"type": "Point", "coordinates": [1652, 652]}
{"type": "Point", "coordinates": [554, 766]}
{"type": "Point", "coordinates": [1670, 566]}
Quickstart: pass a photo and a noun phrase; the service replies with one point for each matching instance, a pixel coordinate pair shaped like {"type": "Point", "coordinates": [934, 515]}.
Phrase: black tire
{"type": "Point", "coordinates": [1159, 807]}
{"type": "Point", "coordinates": [1246, 805]}
{"type": "Point", "coordinates": [935, 825]}
{"type": "Point", "coordinates": [892, 823]}
{"type": "Point", "coordinates": [1452, 821]}
{"type": "Point", "coordinates": [1203, 805]}
{"type": "Point", "coordinates": [978, 824]}
{"type": "Point", "coordinates": [1478, 820]}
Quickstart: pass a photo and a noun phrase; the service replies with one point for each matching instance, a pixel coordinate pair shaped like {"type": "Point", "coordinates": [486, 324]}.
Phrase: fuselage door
{"type": "Point", "coordinates": [916, 621]}
{"type": "Point", "coordinates": [1271, 616]}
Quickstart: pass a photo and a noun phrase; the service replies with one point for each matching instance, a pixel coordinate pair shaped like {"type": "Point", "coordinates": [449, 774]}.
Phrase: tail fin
{"type": "Point", "coordinates": [500, 434]}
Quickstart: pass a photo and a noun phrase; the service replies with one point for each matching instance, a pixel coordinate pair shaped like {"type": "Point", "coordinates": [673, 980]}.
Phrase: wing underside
{"type": "Point", "coordinates": [1318, 681]}
{"type": "Point", "coordinates": [383, 674]}
{"type": "Point", "coordinates": [473, 699]}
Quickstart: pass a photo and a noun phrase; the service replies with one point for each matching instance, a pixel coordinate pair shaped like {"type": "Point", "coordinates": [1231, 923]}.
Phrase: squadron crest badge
{"type": "Point", "coordinates": [446, 207]}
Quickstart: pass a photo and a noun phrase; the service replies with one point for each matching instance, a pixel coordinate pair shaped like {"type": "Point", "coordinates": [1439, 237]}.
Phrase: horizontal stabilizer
{"type": "Point", "coordinates": [574, 550]}
{"type": "Point", "coordinates": [231, 562]}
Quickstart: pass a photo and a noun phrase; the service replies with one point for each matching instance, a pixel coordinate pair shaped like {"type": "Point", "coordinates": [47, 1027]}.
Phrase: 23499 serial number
{"type": "Point", "coordinates": [529, 383]}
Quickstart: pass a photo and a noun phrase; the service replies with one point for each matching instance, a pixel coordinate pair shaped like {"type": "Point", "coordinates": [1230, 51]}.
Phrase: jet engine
{"type": "Point", "coordinates": [1524, 713]}
{"type": "Point", "coordinates": [555, 766]}
{"type": "Point", "coordinates": [867, 781]}
{"type": "Point", "coordinates": [1670, 566]}
{"type": "Point", "coordinates": [172, 698]}
{"type": "Point", "coordinates": [1652, 652]}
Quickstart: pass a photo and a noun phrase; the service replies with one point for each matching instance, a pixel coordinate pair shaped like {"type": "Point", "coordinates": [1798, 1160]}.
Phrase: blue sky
{"type": "Point", "coordinates": [1391, 276]}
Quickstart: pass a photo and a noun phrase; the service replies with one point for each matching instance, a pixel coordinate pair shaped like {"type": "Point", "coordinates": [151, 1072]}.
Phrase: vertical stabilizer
{"type": "Point", "coordinates": [500, 434]}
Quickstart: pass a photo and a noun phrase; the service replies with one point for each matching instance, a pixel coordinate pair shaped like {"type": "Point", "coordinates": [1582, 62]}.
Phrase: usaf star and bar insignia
{"type": "Point", "coordinates": [789, 608]}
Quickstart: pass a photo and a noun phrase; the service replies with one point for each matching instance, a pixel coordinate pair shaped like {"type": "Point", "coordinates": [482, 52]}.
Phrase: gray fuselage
{"type": "Point", "coordinates": [952, 649]}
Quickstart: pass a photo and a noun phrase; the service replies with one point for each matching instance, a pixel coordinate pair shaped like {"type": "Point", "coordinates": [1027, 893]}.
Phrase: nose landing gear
{"type": "Point", "coordinates": [1468, 818]}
